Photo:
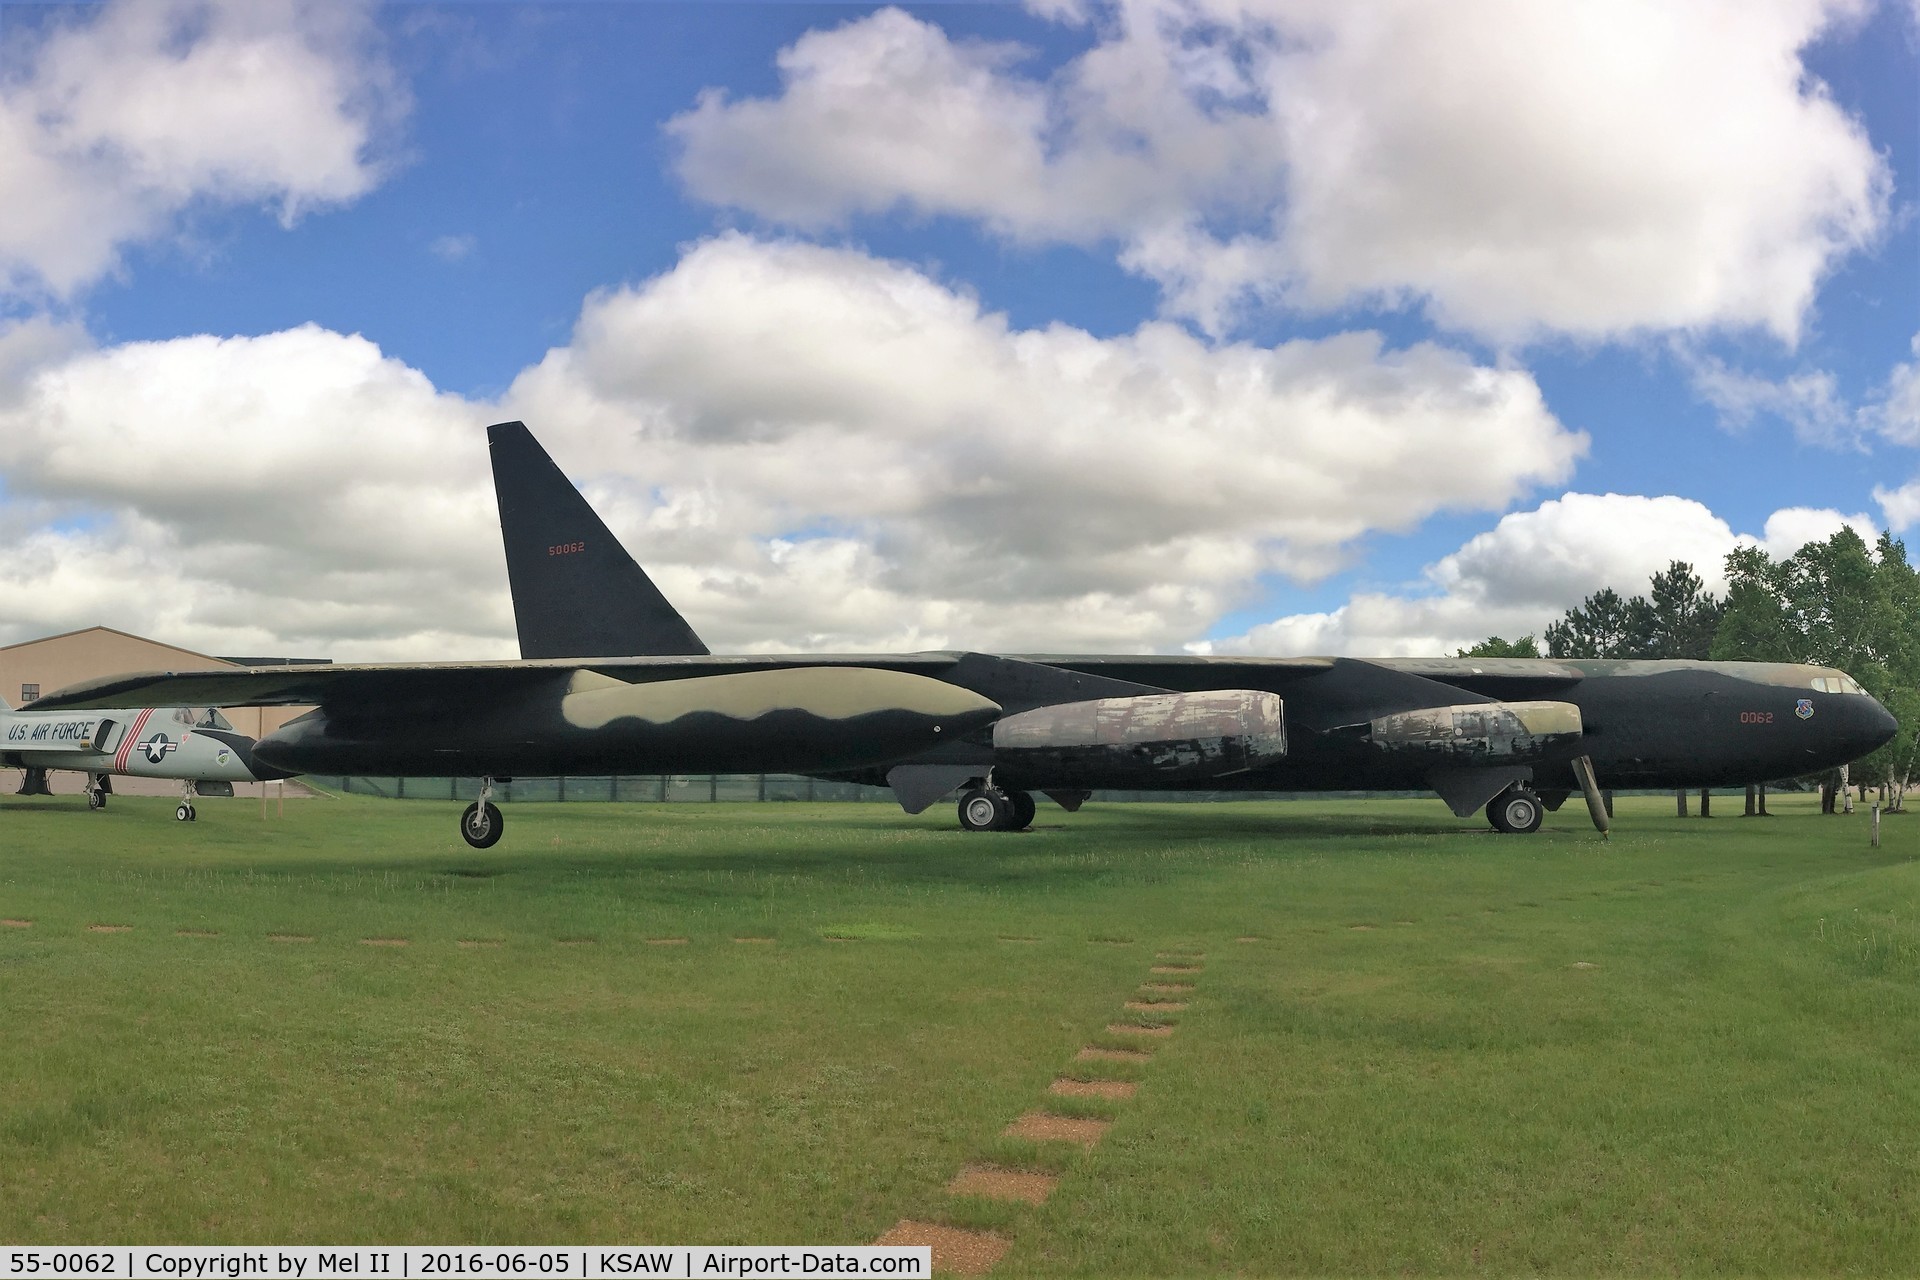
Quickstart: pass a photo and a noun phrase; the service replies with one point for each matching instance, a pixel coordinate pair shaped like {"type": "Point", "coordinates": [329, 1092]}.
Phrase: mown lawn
{"type": "Point", "coordinates": [1413, 1047]}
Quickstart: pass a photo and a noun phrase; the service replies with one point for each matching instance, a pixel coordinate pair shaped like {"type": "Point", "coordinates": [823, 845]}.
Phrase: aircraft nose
{"type": "Point", "coordinates": [1876, 725]}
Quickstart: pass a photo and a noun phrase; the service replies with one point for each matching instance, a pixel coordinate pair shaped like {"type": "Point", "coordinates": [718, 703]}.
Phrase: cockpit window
{"type": "Point", "coordinates": [213, 720]}
{"type": "Point", "coordinates": [1837, 684]}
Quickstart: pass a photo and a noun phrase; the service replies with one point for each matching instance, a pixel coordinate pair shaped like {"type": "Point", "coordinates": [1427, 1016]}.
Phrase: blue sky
{"type": "Point", "coordinates": [1259, 327]}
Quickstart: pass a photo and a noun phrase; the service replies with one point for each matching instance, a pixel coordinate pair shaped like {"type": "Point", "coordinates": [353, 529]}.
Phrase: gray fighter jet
{"type": "Point", "coordinates": [195, 745]}
{"type": "Point", "coordinates": [613, 680]}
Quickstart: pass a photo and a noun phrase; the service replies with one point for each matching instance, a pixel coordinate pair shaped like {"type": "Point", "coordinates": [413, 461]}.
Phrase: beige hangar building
{"type": "Point", "coordinates": [35, 667]}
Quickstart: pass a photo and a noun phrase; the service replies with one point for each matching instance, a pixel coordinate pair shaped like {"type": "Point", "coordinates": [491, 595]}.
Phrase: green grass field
{"type": "Point", "coordinates": [1414, 1047]}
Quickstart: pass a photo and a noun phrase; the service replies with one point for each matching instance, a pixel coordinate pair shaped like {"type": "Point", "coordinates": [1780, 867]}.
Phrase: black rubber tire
{"type": "Point", "coordinates": [482, 828]}
{"type": "Point", "coordinates": [1023, 810]}
{"type": "Point", "coordinates": [184, 813]}
{"type": "Point", "coordinates": [96, 799]}
{"type": "Point", "coordinates": [1516, 812]}
{"type": "Point", "coordinates": [984, 809]}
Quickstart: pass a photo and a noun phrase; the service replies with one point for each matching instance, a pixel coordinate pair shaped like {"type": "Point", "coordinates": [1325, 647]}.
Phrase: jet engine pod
{"type": "Point", "coordinates": [1140, 741]}
{"type": "Point", "coordinates": [1478, 733]}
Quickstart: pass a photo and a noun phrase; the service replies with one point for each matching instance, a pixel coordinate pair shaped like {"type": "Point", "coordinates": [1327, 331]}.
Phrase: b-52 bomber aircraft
{"type": "Point", "coordinates": [613, 680]}
{"type": "Point", "coordinates": [196, 745]}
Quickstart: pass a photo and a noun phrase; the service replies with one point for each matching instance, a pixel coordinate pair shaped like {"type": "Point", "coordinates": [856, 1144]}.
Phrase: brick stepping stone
{"type": "Point", "coordinates": [1044, 1126]}
{"type": "Point", "coordinates": [1094, 1053]}
{"type": "Point", "coordinates": [1115, 1090]}
{"type": "Point", "coordinates": [1003, 1184]}
{"type": "Point", "coordinates": [964, 1253]}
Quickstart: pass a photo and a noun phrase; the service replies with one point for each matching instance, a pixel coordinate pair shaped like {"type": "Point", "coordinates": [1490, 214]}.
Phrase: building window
{"type": "Point", "coordinates": [29, 692]}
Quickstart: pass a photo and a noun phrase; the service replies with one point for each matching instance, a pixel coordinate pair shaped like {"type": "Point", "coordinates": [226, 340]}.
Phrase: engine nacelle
{"type": "Point", "coordinates": [1478, 733]}
{"type": "Point", "coordinates": [1141, 741]}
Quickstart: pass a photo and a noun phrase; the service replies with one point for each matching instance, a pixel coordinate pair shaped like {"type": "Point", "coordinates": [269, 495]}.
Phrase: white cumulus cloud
{"type": "Point", "coordinates": [1516, 167]}
{"type": "Point", "coordinates": [292, 492]}
{"type": "Point", "coordinates": [808, 447]}
{"type": "Point", "coordinates": [1533, 566]}
{"type": "Point", "coordinates": [115, 122]}
{"type": "Point", "coordinates": [985, 485]}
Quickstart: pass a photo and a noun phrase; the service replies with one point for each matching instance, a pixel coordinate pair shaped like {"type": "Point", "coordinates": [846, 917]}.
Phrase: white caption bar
{"type": "Point", "coordinates": [463, 1262]}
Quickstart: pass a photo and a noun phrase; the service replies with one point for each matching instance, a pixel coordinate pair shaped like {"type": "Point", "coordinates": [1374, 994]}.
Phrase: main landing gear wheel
{"type": "Point", "coordinates": [185, 813]}
{"type": "Point", "coordinates": [481, 825]}
{"type": "Point", "coordinates": [985, 809]}
{"type": "Point", "coordinates": [96, 798]}
{"type": "Point", "coordinates": [1516, 811]}
{"type": "Point", "coordinates": [1023, 810]}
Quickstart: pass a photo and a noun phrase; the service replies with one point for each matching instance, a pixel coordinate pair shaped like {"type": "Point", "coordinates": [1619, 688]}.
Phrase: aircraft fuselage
{"type": "Point", "coordinates": [146, 742]}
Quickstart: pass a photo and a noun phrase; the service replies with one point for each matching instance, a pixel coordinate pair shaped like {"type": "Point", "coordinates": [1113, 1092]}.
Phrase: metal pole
{"type": "Point", "coordinates": [1876, 824]}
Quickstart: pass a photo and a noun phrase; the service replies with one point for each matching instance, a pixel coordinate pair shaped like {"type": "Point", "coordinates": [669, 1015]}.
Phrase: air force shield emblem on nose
{"type": "Point", "coordinates": [1804, 708]}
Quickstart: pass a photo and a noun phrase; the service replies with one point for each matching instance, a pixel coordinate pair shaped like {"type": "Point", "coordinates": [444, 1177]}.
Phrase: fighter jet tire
{"type": "Point", "coordinates": [184, 813]}
{"type": "Point", "coordinates": [1516, 811]}
{"type": "Point", "coordinates": [480, 826]}
{"type": "Point", "coordinates": [1023, 810]}
{"type": "Point", "coordinates": [985, 810]}
{"type": "Point", "coordinates": [96, 799]}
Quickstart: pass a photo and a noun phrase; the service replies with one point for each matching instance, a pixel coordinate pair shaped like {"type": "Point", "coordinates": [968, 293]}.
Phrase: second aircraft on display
{"type": "Point", "coordinates": [613, 681]}
{"type": "Point", "coordinates": [195, 746]}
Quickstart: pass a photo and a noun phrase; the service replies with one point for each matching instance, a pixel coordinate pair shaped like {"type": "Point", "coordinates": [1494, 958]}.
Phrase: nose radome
{"type": "Point", "coordinates": [1878, 726]}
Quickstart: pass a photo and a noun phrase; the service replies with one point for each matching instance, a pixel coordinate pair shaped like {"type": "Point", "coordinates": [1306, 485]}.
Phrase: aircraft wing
{"type": "Point", "coordinates": [341, 685]}
{"type": "Point", "coordinates": [1320, 692]}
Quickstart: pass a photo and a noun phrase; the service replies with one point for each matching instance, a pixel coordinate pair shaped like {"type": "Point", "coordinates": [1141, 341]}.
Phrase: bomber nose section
{"type": "Point", "coordinates": [1872, 726]}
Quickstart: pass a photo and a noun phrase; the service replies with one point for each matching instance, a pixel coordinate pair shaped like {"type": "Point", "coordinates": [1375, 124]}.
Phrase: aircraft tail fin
{"type": "Point", "coordinates": [577, 593]}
